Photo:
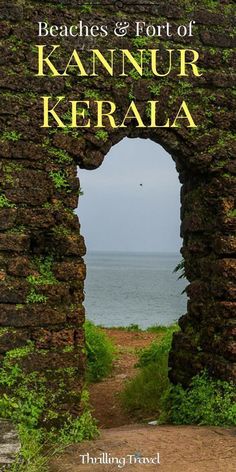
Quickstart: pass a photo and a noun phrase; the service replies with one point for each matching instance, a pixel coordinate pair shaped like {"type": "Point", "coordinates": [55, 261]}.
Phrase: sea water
{"type": "Point", "coordinates": [133, 288]}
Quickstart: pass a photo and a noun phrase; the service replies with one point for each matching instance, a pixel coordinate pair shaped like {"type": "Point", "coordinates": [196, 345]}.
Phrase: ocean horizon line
{"type": "Point", "coordinates": [111, 251]}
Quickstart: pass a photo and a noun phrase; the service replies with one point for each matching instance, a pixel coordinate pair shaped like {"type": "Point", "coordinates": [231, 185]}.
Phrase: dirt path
{"type": "Point", "coordinates": [104, 396]}
{"type": "Point", "coordinates": [183, 448]}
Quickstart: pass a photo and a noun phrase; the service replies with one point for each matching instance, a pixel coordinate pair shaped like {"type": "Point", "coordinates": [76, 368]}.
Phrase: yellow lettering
{"type": "Point", "coordinates": [183, 62]}
{"type": "Point", "coordinates": [101, 113]}
{"type": "Point", "coordinates": [154, 62]}
{"type": "Point", "coordinates": [81, 112]}
{"type": "Point", "coordinates": [78, 64]}
{"type": "Point", "coordinates": [153, 117]}
{"type": "Point", "coordinates": [186, 116]}
{"type": "Point", "coordinates": [46, 112]}
{"type": "Point", "coordinates": [46, 60]}
{"type": "Point", "coordinates": [136, 116]}
{"type": "Point", "coordinates": [132, 60]}
{"type": "Point", "coordinates": [104, 62]}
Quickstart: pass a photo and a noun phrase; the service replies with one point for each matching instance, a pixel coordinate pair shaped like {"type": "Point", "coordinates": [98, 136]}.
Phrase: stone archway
{"type": "Point", "coordinates": [41, 249]}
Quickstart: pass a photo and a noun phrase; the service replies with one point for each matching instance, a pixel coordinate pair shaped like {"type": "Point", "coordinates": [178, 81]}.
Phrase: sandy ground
{"type": "Point", "coordinates": [183, 448]}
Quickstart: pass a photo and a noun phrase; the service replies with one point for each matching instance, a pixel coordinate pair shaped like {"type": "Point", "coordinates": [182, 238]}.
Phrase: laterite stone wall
{"type": "Point", "coordinates": [42, 270]}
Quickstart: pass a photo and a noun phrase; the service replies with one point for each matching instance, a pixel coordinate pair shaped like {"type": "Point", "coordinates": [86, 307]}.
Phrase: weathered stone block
{"type": "Point", "coordinates": [224, 244]}
{"type": "Point", "coordinates": [45, 339]}
{"type": "Point", "coordinates": [31, 315]}
{"type": "Point", "coordinates": [76, 315]}
{"type": "Point", "coordinates": [12, 339]}
{"type": "Point", "coordinates": [214, 38]}
{"type": "Point", "coordinates": [52, 360]}
{"type": "Point", "coordinates": [7, 218]}
{"type": "Point", "coordinates": [34, 188]}
{"type": "Point", "coordinates": [72, 245]}
{"type": "Point", "coordinates": [56, 294]}
{"type": "Point", "coordinates": [19, 266]}
{"type": "Point", "coordinates": [13, 291]}
{"type": "Point", "coordinates": [35, 218]}
{"type": "Point", "coordinates": [70, 270]}
{"type": "Point", "coordinates": [11, 11]}
{"type": "Point", "coordinates": [14, 242]}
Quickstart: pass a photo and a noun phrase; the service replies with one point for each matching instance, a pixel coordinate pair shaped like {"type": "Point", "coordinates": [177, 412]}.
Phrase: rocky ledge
{"type": "Point", "coordinates": [9, 444]}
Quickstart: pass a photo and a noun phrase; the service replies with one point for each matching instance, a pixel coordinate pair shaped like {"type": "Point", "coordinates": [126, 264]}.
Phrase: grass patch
{"type": "Point", "coordinates": [158, 329]}
{"type": "Point", "coordinates": [100, 353]}
{"type": "Point", "coordinates": [158, 350]}
{"type": "Point", "coordinates": [32, 457]}
{"type": "Point", "coordinates": [129, 328]}
{"type": "Point", "coordinates": [145, 394]}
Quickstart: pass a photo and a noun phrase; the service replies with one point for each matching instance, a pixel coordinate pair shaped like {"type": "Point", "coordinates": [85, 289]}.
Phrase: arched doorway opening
{"type": "Point", "coordinates": [130, 218]}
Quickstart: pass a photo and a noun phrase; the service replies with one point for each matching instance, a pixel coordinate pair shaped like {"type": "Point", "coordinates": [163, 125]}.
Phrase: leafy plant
{"type": "Point", "coordinates": [92, 94]}
{"type": "Point", "coordinates": [131, 95]}
{"type": "Point", "coordinates": [120, 84]}
{"type": "Point", "coordinates": [100, 352]}
{"type": "Point", "coordinates": [102, 134]}
{"type": "Point", "coordinates": [59, 179]}
{"type": "Point", "coordinates": [61, 230]}
{"type": "Point", "coordinates": [79, 429]}
{"type": "Point", "coordinates": [22, 404]}
{"type": "Point", "coordinates": [180, 267]}
{"type": "Point", "coordinates": [20, 229]}
{"type": "Point", "coordinates": [67, 116]}
{"type": "Point", "coordinates": [155, 89]}
{"type": "Point", "coordinates": [3, 331]}
{"type": "Point", "coordinates": [227, 53]}
{"type": "Point", "coordinates": [140, 41]}
{"type": "Point", "coordinates": [133, 327]}
{"type": "Point", "coordinates": [232, 213]}
{"type": "Point", "coordinates": [25, 401]}
{"type": "Point", "coordinates": [60, 155]}
{"type": "Point", "coordinates": [86, 8]}
{"type": "Point", "coordinates": [10, 136]}
{"type": "Point", "coordinates": [158, 349]}
{"type": "Point", "coordinates": [9, 170]}
{"type": "Point", "coordinates": [46, 276]}
{"type": "Point", "coordinates": [159, 329]}
{"type": "Point", "coordinates": [211, 4]}
{"type": "Point", "coordinates": [205, 402]}
{"type": "Point", "coordinates": [5, 202]}
{"type": "Point", "coordinates": [19, 352]}
{"type": "Point", "coordinates": [34, 297]}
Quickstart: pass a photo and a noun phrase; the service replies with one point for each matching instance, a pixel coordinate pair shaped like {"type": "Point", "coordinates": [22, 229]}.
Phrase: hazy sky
{"type": "Point", "coordinates": [116, 213]}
